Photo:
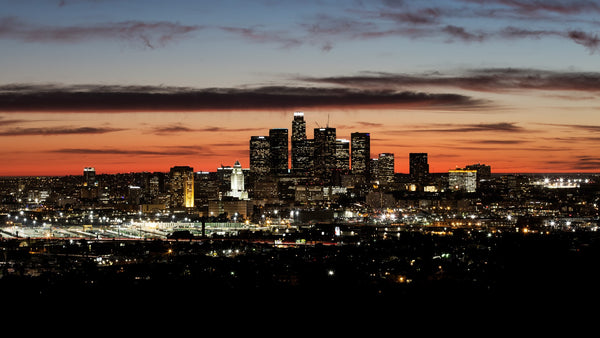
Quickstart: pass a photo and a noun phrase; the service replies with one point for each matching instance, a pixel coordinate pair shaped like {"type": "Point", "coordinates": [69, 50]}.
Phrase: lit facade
{"type": "Point", "coordinates": [324, 151]}
{"type": "Point", "coordinates": [342, 154]}
{"type": "Point", "coordinates": [462, 180]}
{"type": "Point", "coordinates": [385, 168]}
{"type": "Point", "coordinates": [182, 187]}
{"type": "Point", "coordinates": [360, 156]}
{"type": "Point", "coordinates": [89, 177]}
{"type": "Point", "coordinates": [278, 140]}
{"type": "Point", "coordinates": [259, 156]}
{"type": "Point", "coordinates": [237, 182]}
{"type": "Point", "coordinates": [302, 152]}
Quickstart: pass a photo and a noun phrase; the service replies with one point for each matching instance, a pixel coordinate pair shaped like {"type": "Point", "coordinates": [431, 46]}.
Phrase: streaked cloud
{"type": "Point", "coordinates": [586, 127]}
{"type": "Point", "coordinates": [58, 98]}
{"type": "Point", "coordinates": [505, 127]}
{"type": "Point", "coordinates": [485, 79]}
{"type": "Point", "coordinates": [57, 131]}
{"type": "Point", "coordinates": [165, 151]}
{"type": "Point", "coordinates": [183, 129]}
{"type": "Point", "coordinates": [145, 34]}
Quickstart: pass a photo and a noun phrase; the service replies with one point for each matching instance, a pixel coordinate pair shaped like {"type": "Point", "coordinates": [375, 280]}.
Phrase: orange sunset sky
{"type": "Point", "coordinates": [145, 87]}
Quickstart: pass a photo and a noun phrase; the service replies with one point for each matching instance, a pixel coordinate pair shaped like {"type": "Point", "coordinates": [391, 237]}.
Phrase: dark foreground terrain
{"type": "Point", "coordinates": [406, 270]}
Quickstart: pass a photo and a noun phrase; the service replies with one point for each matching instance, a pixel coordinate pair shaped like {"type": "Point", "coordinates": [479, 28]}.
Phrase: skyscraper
{"type": "Point", "coordinates": [342, 155]}
{"type": "Point", "coordinates": [301, 147]}
{"type": "Point", "coordinates": [259, 156]}
{"type": "Point", "coordinates": [89, 177]}
{"type": "Point", "coordinates": [360, 156]}
{"type": "Point", "coordinates": [418, 166]}
{"type": "Point", "coordinates": [182, 187]}
{"type": "Point", "coordinates": [385, 168]}
{"type": "Point", "coordinates": [324, 151]}
{"type": "Point", "coordinates": [278, 140]}
{"type": "Point", "coordinates": [298, 127]}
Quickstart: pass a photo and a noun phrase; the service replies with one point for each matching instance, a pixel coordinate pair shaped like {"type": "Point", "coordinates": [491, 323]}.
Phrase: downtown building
{"type": "Point", "coordinates": [260, 157]}
{"type": "Point", "coordinates": [324, 145]}
{"type": "Point", "coordinates": [464, 180]}
{"type": "Point", "coordinates": [418, 167]}
{"type": "Point", "coordinates": [181, 180]}
{"type": "Point", "coordinates": [360, 155]}
{"type": "Point", "coordinates": [278, 150]}
{"type": "Point", "coordinates": [302, 147]}
{"type": "Point", "coordinates": [382, 169]}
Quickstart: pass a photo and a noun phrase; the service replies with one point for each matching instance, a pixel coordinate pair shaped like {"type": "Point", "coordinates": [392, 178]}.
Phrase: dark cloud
{"type": "Point", "coordinates": [591, 41]}
{"type": "Point", "coordinates": [533, 7]}
{"type": "Point", "coordinates": [507, 127]}
{"type": "Point", "coordinates": [579, 163]}
{"type": "Point", "coordinates": [182, 129]}
{"type": "Point", "coordinates": [4, 122]}
{"type": "Point", "coordinates": [146, 34]}
{"type": "Point", "coordinates": [168, 151]}
{"type": "Point", "coordinates": [417, 20]}
{"type": "Point", "coordinates": [489, 79]}
{"type": "Point", "coordinates": [498, 141]}
{"type": "Point", "coordinates": [160, 99]}
{"type": "Point", "coordinates": [586, 127]}
{"type": "Point", "coordinates": [264, 36]}
{"type": "Point", "coordinates": [57, 131]}
{"type": "Point", "coordinates": [369, 124]}
{"type": "Point", "coordinates": [460, 33]}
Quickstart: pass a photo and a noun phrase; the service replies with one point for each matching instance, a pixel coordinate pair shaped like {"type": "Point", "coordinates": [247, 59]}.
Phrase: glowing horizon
{"type": "Point", "coordinates": [146, 87]}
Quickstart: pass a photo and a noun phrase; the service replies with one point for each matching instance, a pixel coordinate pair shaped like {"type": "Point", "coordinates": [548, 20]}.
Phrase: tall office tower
{"type": "Point", "coordinates": [462, 179]}
{"type": "Point", "coordinates": [324, 151]}
{"type": "Point", "coordinates": [360, 155]}
{"type": "Point", "coordinates": [301, 147]}
{"type": "Point", "coordinates": [342, 155]}
{"type": "Point", "coordinates": [259, 156]}
{"type": "Point", "coordinates": [418, 166]}
{"type": "Point", "coordinates": [182, 187]}
{"type": "Point", "coordinates": [89, 177]}
{"type": "Point", "coordinates": [278, 140]}
{"type": "Point", "coordinates": [385, 168]}
{"type": "Point", "coordinates": [484, 172]}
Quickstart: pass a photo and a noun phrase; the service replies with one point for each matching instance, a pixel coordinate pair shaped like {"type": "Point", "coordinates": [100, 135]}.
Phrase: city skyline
{"type": "Point", "coordinates": [146, 86]}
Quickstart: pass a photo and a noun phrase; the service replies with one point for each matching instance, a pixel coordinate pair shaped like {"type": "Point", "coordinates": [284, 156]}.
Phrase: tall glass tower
{"type": "Point", "coordinates": [418, 166]}
{"type": "Point", "coordinates": [278, 140]}
{"type": "Point", "coordinates": [324, 151]}
{"type": "Point", "coordinates": [260, 156]}
{"type": "Point", "coordinates": [301, 147]}
{"type": "Point", "coordinates": [360, 153]}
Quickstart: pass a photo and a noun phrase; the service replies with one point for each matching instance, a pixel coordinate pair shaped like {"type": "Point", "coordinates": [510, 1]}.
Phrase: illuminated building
{"type": "Point", "coordinates": [418, 166]}
{"type": "Point", "coordinates": [237, 182]}
{"type": "Point", "coordinates": [462, 180]}
{"type": "Point", "coordinates": [324, 151]}
{"type": "Point", "coordinates": [259, 156]}
{"type": "Point", "coordinates": [182, 187]}
{"type": "Point", "coordinates": [89, 177]}
{"type": "Point", "coordinates": [360, 156]}
{"type": "Point", "coordinates": [342, 154]}
{"type": "Point", "coordinates": [484, 172]}
{"type": "Point", "coordinates": [278, 140]}
{"type": "Point", "coordinates": [298, 136]}
{"type": "Point", "coordinates": [385, 168]}
{"type": "Point", "coordinates": [302, 154]}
